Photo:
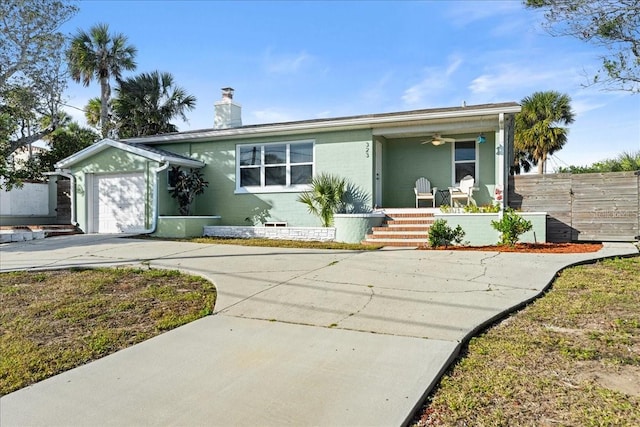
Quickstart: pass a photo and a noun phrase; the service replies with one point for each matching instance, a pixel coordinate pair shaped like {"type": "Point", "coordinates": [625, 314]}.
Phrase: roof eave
{"type": "Point", "coordinates": [106, 143]}
{"type": "Point", "coordinates": [349, 123]}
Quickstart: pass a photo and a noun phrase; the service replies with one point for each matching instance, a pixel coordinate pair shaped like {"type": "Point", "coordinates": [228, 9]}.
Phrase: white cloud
{"type": "Point", "coordinates": [323, 114]}
{"type": "Point", "coordinates": [436, 81]}
{"type": "Point", "coordinates": [511, 77]}
{"type": "Point", "coordinates": [286, 63]}
{"type": "Point", "coordinates": [464, 13]}
{"type": "Point", "coordinates": [376, 92]}
{"type": "Point", "coordinates": [271, 115]}
{"type": "Point", "coordinates": [582, 106]}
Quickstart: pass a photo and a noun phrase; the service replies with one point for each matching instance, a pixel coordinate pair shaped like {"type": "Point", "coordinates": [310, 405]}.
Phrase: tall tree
{"type": "Point", "coordinates": [537, 126]}
{"type": "Point", "coordinates": [101, 56]}
{"type": "Point", "coordinates": [31, 70]}
{"type": "Point", "coordinates": [65, 141]}
{"type": "Point", "coordinates": [612, 24]}
{"type": "Point", "coordinates": [146, 104]}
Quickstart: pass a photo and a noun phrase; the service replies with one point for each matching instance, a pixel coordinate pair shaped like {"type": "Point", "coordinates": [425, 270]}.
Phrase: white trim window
{"type": "Point", "coordinates": [274, 167]}
{"type": "Point", "coordinates": [465, 160]}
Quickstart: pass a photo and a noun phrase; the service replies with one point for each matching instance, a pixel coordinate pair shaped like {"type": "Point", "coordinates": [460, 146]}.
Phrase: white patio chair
{"type": "Point", "coordinates": [463, 192]}
{"type": "Point", "coordinates": [424, 191]}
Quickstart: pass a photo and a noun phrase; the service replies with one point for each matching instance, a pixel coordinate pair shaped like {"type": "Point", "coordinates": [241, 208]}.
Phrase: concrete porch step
{"type": "Point", "coordinates": [56, 229]}
{"type": "Point", "coordinates": [407, 222]}
{"type": "Point", "coordinates": [402, 227]}
{"type": "Point", "coordinates": [419, 234]}
{"type": "Point", "coordinates": [20, 233]}
{"type": "Point", "coordinates": [397, 242]}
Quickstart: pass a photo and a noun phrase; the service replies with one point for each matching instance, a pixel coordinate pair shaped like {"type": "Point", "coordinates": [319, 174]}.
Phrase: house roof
{"type": "Point", "coordinates": [368, 121]}
{"type": "Point", "coordinates": [151, 153]}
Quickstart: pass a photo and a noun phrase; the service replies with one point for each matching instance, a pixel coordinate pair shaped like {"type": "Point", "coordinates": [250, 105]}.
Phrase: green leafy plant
{"type": "Point", "coordinates": [440, 234]}
{"type": "Point", "coordinates": [446, 209]}
{"type": "Point", "coordinates": [325, 198]}
{"type": "Point", "coordinates": [491, 208]}
{"type": "Point", "coordinates": [511, 226]}
{"type": "Point", "coordinates": [186, 186]}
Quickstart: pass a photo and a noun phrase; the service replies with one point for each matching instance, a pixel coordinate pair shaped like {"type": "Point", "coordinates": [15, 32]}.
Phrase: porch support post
{"type": "Point", "coordinates": [501, 170]}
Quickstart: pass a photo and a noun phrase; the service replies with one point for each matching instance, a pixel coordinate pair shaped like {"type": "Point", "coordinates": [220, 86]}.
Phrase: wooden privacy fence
{"type": "Point", "coordinates": [63, 204]}
{"type": "Point", "coordinates": [593, 206]}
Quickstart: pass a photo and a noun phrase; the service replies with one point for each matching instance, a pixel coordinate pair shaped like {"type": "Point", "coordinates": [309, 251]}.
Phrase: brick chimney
{"type": "Point", "coordinates": [228, 114]}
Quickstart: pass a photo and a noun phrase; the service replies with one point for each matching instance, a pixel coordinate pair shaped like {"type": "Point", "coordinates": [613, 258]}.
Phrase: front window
{"type": "Point", "coordinates": [275, 167]}
{"type": "Point", "coordinates": [464, 160]}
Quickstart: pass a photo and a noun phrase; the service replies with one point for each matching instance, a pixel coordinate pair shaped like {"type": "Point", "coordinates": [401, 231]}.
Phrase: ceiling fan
{"type": "Point", "coordinates": [437, 139]}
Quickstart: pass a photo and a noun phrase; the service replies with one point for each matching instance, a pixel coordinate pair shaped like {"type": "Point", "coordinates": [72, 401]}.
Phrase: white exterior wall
{"type": "Point", "coordinates": [30, 200]}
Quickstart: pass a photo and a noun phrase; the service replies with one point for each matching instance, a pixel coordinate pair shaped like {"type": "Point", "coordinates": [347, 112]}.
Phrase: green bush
{"type": "Point", "coordinates": [511, 226]}
{"type": "Point", "coordinates": [440, 234]}
{"type": "Point", "coordinates": [490, 208]}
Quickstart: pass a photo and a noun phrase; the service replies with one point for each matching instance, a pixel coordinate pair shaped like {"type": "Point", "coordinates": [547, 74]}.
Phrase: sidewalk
{"type": "Point", "coordinates": [299, 337]}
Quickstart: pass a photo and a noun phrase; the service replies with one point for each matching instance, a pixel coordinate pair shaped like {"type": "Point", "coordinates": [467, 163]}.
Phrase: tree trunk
{"type": "Point", "coordinates": [104, 106]}
{"type": "Point", "coordinates": [541, 163]}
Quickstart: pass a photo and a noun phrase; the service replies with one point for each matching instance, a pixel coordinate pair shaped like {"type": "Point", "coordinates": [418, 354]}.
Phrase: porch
{"type": "Point", "coordinates": [409, 227]}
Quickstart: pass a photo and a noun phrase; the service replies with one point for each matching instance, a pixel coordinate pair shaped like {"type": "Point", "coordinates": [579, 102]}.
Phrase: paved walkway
{"type": "Point", "coordinates": [299, 337]}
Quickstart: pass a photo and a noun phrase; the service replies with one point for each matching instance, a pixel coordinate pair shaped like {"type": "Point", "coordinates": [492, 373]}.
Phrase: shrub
{"type": "Point", "coordinates": [490, 208]}
{"type": "Point", "coordinates": [186, 186]}
{"type": "Point", "coordinates": [440, 234]}
{"type": "Point", "coordinates": [325, 198]}
{"type": "Point", "coordinates": [511, 226]}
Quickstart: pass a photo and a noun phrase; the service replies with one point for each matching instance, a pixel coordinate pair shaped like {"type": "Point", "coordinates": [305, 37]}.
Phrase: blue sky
{"type": "Point", "coordinates": [302, 60]}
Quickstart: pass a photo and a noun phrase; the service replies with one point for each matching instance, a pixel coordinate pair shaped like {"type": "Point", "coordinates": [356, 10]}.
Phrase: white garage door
{"type": "Point", "coordinates": [119, 203]}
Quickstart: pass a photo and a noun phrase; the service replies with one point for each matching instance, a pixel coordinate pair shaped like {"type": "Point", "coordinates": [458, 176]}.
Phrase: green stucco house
{"type": "Point", "coordinates": [256, 172]}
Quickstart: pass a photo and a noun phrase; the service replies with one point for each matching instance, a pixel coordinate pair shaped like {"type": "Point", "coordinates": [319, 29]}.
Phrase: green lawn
{"type": "Point", "coordinates": [52, 321]}
{"type": "Point", "coordinates": [570, 358]}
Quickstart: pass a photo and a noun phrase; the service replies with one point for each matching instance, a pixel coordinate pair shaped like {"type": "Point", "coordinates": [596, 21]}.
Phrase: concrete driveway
{"type": "Point", "coordinates": [299, 337]}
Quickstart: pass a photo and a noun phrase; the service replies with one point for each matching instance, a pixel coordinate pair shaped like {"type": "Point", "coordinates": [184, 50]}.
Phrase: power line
{"type": "Point", "coordinates": [74, 107]}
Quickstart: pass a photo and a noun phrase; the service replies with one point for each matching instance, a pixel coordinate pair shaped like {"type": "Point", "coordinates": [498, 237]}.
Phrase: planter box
{"type": "Point", "coordinates": [183, 226]}
{"type": "Point", "coordinates": [353, 228]}
{"type": "Point", "coordinates": [479, 231]}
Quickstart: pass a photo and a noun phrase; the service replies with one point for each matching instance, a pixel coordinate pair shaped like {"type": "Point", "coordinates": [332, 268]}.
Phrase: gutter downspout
{"type": "Point", "coordinates": [155, 202]}
{"type": "Point", "coordinates": [72, 189]}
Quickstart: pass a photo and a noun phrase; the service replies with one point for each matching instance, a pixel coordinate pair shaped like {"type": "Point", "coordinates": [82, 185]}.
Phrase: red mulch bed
{"type": "Point", "coordinates": [545, 248]}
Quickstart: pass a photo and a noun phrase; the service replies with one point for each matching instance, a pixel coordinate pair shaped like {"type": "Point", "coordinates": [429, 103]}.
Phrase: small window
{"type": "Point", "coordinates": [275, 167]}
{"type": "Point", "coordinates": [464, 160]}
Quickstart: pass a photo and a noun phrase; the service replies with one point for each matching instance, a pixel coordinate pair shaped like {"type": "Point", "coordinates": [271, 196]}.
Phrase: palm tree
{"type": "Point", "coordinates": [325, 198]}
{"type": "Point", "coordinates": [537, 129]}
{"type": "Point", "coordinates": [99, 55]}
{"type": "Point", "coordinates": [92, 112]}
{"type": "Point", "coordinates": [145, 104]}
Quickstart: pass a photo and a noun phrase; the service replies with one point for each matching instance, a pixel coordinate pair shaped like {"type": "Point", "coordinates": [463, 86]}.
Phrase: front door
{"type": "Point", "coordinates": [378, 171]}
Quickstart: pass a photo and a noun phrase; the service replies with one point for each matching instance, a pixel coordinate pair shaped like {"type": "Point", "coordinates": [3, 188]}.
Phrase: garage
{"type": "Point", "coordinates": [119, 202]}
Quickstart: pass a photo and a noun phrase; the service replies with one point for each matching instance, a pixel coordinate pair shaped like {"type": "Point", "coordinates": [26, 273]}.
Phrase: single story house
{"type": "Point", "coordinates": [256, 172]}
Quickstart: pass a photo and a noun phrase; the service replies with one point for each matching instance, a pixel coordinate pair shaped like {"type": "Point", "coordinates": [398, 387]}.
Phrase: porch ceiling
{"type": "Point", "coordinates": [443, 126]}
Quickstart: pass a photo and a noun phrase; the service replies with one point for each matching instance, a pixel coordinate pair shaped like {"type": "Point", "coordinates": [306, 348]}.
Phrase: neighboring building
{"type": "Point", "coordinates": [256, 172]}
{"type": "Point", "coordinates": [21, 156]}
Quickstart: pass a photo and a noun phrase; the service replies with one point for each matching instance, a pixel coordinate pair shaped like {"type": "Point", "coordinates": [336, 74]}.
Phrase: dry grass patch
{"type": "Point", "coordinates": [570, 358]}
{"type": "Point", "coordinates": [52, 321]}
